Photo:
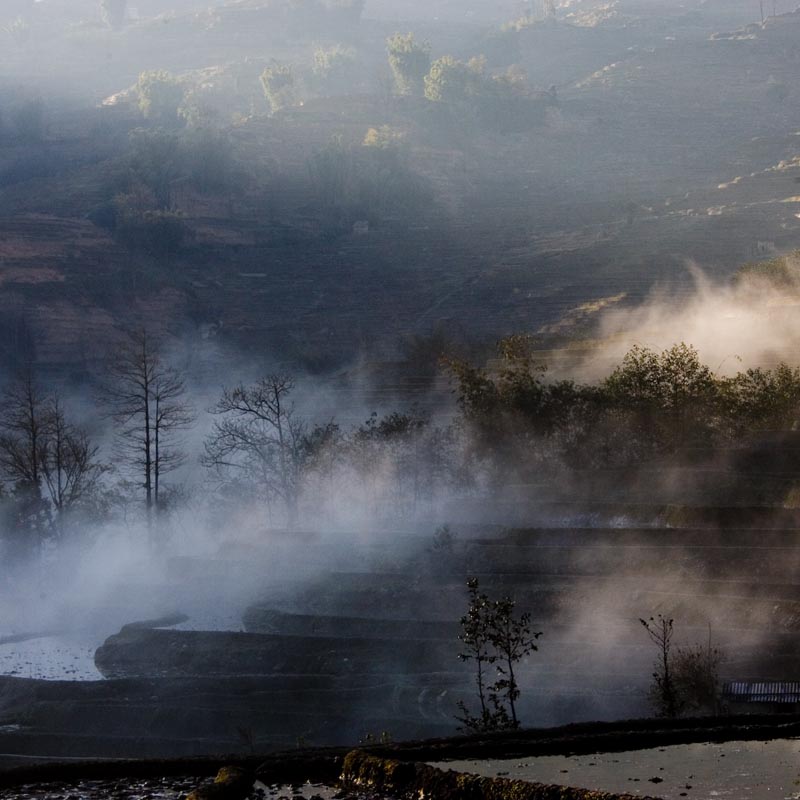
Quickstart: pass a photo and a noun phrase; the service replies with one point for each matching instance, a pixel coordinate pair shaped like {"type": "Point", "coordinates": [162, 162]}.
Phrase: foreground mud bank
{"type": "Point", "coordinates": [386, 766]}
{"type": "Point", "coordinates": [413, 779]}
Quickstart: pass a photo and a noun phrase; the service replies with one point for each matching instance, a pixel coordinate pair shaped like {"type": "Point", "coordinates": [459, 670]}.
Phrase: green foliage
{"type": "Point", "coordinates": [652, 403]}
{"type": "Point", "coordinates": [517, 419]}
{"type": "Point", "coordinates": [762, 399]}
{"type": "Point", "coordinates": [160, 98]}
{"type": "Point", "coordinates": [493, 637]}
{"type": "Point", "coordinates": [453, 82]}
{"type": "Point", "coordinates": [782, 272]}
{"type": "Point", "coordinates": [500, 102]}
{"type": "Point", "coordinates": [334, 68]}
{"type": "Point", "coordinates": [279, 86]}
{"type": "Point", "coordinates": [113, 12]}
{"type": "Point", "coordinates": [410, 62]}
{"type": "Point", "coordinates": [670, 395]}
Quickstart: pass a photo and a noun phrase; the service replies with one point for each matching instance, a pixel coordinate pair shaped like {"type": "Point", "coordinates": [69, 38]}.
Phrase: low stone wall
{"type": "Point", "coordinates": [418, 780]}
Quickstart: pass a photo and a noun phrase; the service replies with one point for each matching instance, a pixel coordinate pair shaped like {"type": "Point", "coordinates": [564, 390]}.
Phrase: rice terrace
{"type": "Point", "coordinates": [399, 399]}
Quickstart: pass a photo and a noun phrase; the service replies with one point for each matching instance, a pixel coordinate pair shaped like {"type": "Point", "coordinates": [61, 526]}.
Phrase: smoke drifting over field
{"type": "Point", "coordinates": [303, 225]}
{"type": "Point", "coordinates": [735, 325]}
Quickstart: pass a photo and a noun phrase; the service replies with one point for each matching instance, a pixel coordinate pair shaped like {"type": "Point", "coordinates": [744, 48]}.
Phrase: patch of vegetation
{"type": "Point", "coordinates": [686, 679]}
{"type": "Point", "coordinates": [334, 69]}
{"type": "Point", "coordinates": [652, 403]}
{"type": "Point", "coordinates": [782, 272]}
{"type": "Point", "coordinates": [279, 86]}
{"type": "Point", "coordinates": [410, 62]}
{"type": "Point", "coordinates": [160, 97]}
{"type": "Point", "coordinates": [493, 639]}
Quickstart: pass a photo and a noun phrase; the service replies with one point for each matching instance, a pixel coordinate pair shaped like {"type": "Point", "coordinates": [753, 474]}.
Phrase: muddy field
{"type": "Point", "coordinates": [173, 788]}
{"type": "Point", "coordinates": [737, 770]}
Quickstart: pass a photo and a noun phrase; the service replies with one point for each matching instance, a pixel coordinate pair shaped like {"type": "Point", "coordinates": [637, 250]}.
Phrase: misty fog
{"type": "Point", "coordinates": [313, 310]}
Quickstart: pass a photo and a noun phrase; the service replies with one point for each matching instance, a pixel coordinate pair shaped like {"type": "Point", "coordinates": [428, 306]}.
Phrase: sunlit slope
{"type": "Point", "coordinates": [632, 174]}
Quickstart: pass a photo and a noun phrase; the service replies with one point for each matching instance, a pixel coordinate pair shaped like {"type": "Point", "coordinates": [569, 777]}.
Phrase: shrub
{"type": "Point", "coordinates": [334, 68]}
{"type": "Point", "coordinates": [410, 62]}
{"type": "Point", "coordinates": [278, 83]}
{"type": "Point", "coordinates": [493, 636]}
{"type": "Point", "coordinates": [160, 97]}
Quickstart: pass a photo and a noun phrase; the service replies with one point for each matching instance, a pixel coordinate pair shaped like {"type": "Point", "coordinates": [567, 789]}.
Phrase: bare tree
{"type": "Point", "coordinates": [69, 466]}
{"type": "Point", "coordinates": [23, 422]}
{"type": "Point", "coordinates": [259, 437]}
{"type": "Point", "coordinates": [662, 691]}
{"type": "Point", "coordinates": [50, 462]}
{"type": "Point", "coordinates": [22, 435]}
{"type": "Point", "coordinates": [147, 401]}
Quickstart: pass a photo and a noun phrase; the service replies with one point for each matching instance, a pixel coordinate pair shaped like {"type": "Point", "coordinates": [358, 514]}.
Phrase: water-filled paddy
{"type": "Point", "coordinates": [735, 770]}
{"type": "Point", "coordinates": [70, 656]}
{"type": "Point", "coordinates": [171, 789]}
{"type": "Point", "coordinates": [50, 658]}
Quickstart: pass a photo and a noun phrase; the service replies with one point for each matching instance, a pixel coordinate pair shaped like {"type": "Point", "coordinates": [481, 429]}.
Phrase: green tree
{"type": "Point", "coordinates": [160, 97]}
{"type": "Point", "coordinates": [279, 86]}
{"type": "Point", "coordinates": [453, 82]}
{"type": "Point", "coordinates": [334, 68]}
{"type": "Point", "coordinates": [410, 62]}
{"type": "Point", "coordinates": [512, 639]}
{"type": "Point", "coordinates": [493, 636]}
{"type": "Point", "coordinates": [762, 399]}
{"type": "Point", "coordinates": [476, 648]}
{"type": "Point", "coordinates": [671, 394]}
